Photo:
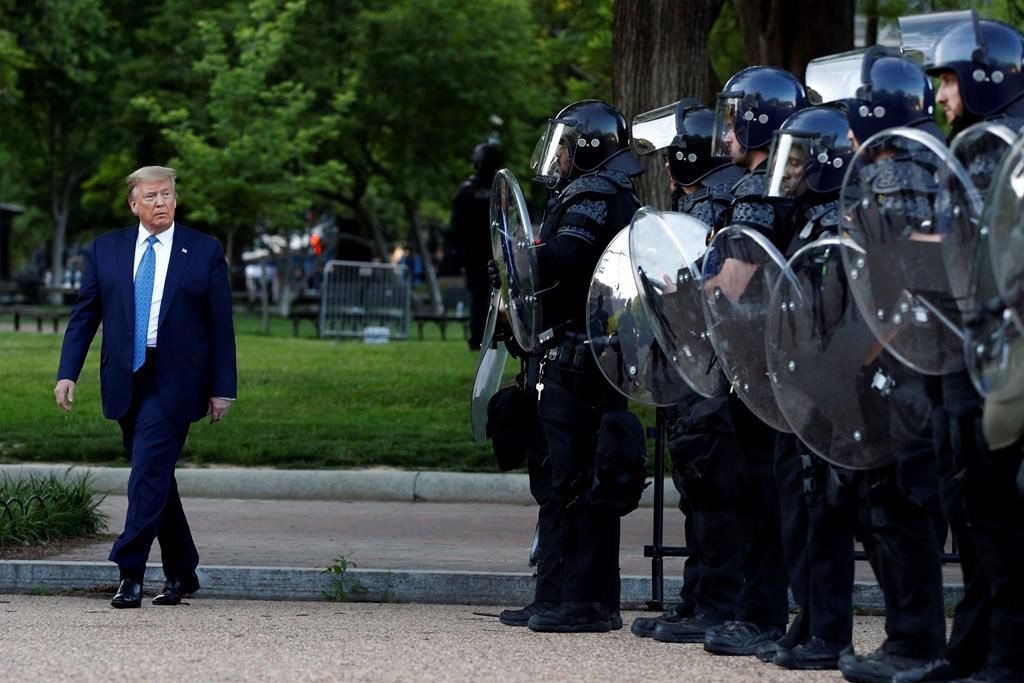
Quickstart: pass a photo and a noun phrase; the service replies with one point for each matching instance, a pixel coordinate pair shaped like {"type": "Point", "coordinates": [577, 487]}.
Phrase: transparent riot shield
{"type": "Point", "coordinates": [908, 203]}
{"type": "Point", "coordinates": [739, 270]}
{"type": "Point", "coordinates": [1005, 234]}
{"type": "Point", "coordinates": [836, 77]}
{"type": "Point", "coordinates": [667, 248]}
{"type": "Point", "coordinates": [490, 370]}
{"type": "Point", "coordinates": [621, 333]}
{"type": "Point", "coordinates": [512, 243]}
{"type": "Point", "coordinates": [918, 32]}
{"type": "Point", "coordinates": [991, 340]}
{"type": "Point", "coordinates": [844, 396]}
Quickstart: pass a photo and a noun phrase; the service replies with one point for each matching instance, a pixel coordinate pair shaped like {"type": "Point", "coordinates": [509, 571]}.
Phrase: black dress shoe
{"type": "Point", "coordinates": [878, 667]}
{"type": "Point", "coordinates": [129, 594]}
{"type": "Point", "coordinates": [521, 617]}
{"type": "Point", "coordinates": [644, 626]}
{"type": "Point", "coordinates": [816, 654]}
{"type": "Point", "coordinates": [573, 617]}
{"type": "Point", "coordinates": [615, 619]}
{"type": "Point", "coordinates": [740, 637]}
{"type": "Point", "coordinates": [689, 630]}
{"type": "Point", "coordinates": [175, 589]}
{"type": "Point", "coordinates": [935, 670]}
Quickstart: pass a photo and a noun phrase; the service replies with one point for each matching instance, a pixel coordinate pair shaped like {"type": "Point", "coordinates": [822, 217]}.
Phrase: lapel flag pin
{"type": "Point", "coordinates": [184, 250]}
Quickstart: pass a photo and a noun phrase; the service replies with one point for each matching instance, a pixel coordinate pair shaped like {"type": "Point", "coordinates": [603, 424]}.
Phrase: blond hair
{"type": "Point", "coordinates": [150, 174]}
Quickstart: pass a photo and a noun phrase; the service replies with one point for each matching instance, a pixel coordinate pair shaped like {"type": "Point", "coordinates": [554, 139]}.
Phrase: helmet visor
{"type": "Point", "coordinates": [655, 129]}
{"type": "Point", "coordinates": [918, 33]}
{"type": "Point", "coordinates": [552, 157]}
{"type": "Point", "coordinates": [836, 77]}
{"type": "Point", "coordinates": [726, 124]}
{"type": "Point", "coordinates": [788, 161]}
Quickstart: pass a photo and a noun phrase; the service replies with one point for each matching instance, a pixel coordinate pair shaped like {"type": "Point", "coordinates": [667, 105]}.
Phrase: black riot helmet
{"type": "Point", "coordinates": [585, 136]}
{"type": "Point", "coordinates": [682, 130]}
{"type": "Point", "coordinates": [753, 104]}
{"type": "Point", "coordinates": [810, 152]}
{"type": "Point", "coordinates": [487, 158]}
{"type": "Point", "coordinates": [986, 57]}
{"type": "Point", "coordinates": [689, 156]}
{"type": "Point", "coordinates": [893, 92]}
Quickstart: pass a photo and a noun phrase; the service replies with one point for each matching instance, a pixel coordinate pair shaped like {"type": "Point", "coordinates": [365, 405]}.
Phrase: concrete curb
{"type": "Point", "coordinates": [360, 585]}
{"type": "Point", "coordinates": [342, 485]}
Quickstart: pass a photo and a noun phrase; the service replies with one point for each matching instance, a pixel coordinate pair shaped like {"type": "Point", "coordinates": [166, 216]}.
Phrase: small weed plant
{"type": "Point", "coordinates": [343, 584]}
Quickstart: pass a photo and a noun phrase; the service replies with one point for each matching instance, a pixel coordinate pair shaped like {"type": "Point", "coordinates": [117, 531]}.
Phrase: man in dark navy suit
{"type": "Point", "coordinates": [168, 359]}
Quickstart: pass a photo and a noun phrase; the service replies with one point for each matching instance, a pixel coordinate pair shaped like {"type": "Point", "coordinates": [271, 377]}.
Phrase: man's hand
{"type": "Point", "coordinates": [65, 393]}
{"type": "Point", "coordinates": [493, 275]}
{"type": "Point", "coordinates": [218, 409]}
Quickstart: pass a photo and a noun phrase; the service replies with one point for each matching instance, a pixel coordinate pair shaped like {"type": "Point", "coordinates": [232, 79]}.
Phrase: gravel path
{"type": "Point", "coordinates": [83, 639]}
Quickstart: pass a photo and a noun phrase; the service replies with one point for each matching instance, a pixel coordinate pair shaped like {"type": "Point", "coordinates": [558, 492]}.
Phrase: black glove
{"type": "Point", "coordinates": [493, 276]}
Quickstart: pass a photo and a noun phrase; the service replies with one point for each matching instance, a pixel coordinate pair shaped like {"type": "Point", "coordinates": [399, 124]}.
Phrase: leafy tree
{"type": "Point", "coordinates": [56, 130]}
{"type": "Point", "coordinates": [248, 161]}
{"type": "Point", "coordinates": [466, 69]}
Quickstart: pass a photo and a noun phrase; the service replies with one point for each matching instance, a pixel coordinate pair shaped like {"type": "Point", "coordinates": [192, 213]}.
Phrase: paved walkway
{"type": "Point", "coordinates": [474, 537]}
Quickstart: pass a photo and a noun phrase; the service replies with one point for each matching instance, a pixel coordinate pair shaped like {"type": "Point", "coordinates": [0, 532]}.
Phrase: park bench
{"type": "Point", "coordinates": [304, 311]}
{"type": "Point", "coordinates": [452, 313]}
{"type": "Point", "coordinates": [40, 315]}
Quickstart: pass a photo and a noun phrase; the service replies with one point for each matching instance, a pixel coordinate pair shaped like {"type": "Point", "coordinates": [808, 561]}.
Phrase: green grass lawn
{"type": "Point", "coordinates": [303, 402]}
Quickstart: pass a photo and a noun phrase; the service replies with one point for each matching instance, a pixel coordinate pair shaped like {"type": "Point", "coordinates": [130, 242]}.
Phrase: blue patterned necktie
{"type": "Point", "coordinates": [144, 278]}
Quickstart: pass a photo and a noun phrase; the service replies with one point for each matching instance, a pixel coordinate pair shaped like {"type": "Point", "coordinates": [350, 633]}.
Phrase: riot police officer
{"type": "Point", "coordinates": [899, 524]}
{"type": "Point", "coordinates": [713, 573]}
{"type": "Point", "coordinates": [585, 160]}
{"type": "Point", "coordinates": [810, 154]}
{"type": "Point", "coordinates": [978, 63]}
{"type": "Point", "coordinates": [470, 223]}
{"type": "Point", "coordinates": [752, 106]}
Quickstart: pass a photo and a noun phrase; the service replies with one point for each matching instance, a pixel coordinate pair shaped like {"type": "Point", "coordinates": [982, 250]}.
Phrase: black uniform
{"type": "Point", "coordinates": [581, 559]}
{"type": "Point", "coordinates": [817, 531]}
{"type": "Point", "coordinates": [470, 222]}
{"type": "Point", "coordinates": [986, 514]}
{"type": "Point", "coordinates": [707, 466]}
{"type": "Point", "coordinates": [763, 599]}
{"type": "Point", "coordinates": [902, 531]}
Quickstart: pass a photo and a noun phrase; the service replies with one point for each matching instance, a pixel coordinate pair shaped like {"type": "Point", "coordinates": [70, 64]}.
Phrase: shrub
{"type": "Point", "coordinates": [36, 510]}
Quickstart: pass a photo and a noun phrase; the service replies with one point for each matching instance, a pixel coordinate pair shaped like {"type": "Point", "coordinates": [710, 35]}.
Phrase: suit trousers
{"type": "Point", "coordinates": [153, 441]}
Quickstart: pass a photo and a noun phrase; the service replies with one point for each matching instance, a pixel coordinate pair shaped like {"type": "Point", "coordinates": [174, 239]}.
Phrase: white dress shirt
{"type": "Point", "coordinates": [162, 249]}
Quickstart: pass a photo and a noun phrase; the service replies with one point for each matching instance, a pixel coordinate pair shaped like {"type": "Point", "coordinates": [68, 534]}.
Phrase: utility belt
{"type": "Point", "coordinates": [565, 349]}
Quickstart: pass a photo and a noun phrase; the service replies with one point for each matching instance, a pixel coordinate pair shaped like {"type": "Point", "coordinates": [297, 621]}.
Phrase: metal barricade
{"type": "Point", "coordinates": [356, 295]}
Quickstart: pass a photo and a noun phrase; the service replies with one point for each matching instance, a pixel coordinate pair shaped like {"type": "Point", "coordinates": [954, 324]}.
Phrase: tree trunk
{"type": "Point", "coordinates": [870, 9]}
{"type": "Point", "coordinates": [60, 202]}
{"type": "Point", "coordinates": [660, 55]}
{"type": "Point", "coordinates": [412, 211]}
{"type": "Point", "coordinates": [783, 36]}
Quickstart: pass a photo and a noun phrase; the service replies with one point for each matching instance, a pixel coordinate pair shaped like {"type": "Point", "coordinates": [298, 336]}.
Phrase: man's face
{"type": "Point", "coordinates": [154, 204]}
{"type": "Point", "coordinates": [564, 159]}
{"type": "Point", "coordinates": [948, 96]}
{"type": "Point", "coordinates": [793, 173]}
{"type": "Point", "coordinates": [737, 152]}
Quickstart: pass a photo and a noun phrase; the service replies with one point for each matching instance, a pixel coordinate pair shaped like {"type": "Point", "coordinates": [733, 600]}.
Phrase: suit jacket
{"type": "Point", "coordinates": [195, 355]}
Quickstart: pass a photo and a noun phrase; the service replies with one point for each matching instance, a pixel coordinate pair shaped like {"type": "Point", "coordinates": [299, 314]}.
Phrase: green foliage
{"type": "Point", "coordinates": [255, 149]}
{"type": "Point", "coordinates": [38, 510]}
{"type": "Point", "coordinates": [343, 585]}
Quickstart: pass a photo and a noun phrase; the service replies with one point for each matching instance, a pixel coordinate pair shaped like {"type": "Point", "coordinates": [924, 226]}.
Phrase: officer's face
{"type": "Point", "coordinates": [793, 172]}
{"type": "Point", "coordinates": [564, 160]}
{"type": "Point", "coordinates": [948, 96]}
{"type": "Point", "coordinates": [736, 151]}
